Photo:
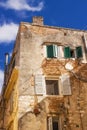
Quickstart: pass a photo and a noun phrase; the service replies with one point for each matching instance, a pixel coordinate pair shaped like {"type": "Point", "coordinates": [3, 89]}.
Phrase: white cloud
{"type": "Point", "coordinates": [8, 32]}
{"type": "Point", "coordinates": [1, 79]}
{"type": "Point", "coordinates": [21, 5]}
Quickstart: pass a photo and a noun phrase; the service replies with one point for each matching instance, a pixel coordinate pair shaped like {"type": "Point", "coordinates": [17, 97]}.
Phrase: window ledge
{"type": "Point", "coordinates": [53, 96]}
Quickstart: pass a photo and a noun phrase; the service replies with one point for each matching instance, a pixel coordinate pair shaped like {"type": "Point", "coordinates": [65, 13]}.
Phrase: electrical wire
{"type": "Point", "coordinates": [78, 77]}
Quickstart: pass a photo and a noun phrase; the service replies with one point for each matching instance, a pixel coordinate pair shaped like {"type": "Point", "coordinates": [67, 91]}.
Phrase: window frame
{"type": "Point", "coordinates": [75, 51]}
{"type": "Point", "coordinates": [54, 51]}
{"type": "Point", "coordinates": [67, 53]}
{"type": "Point", "coordinates": [52, 118]}
{"type": "Point", "coordinates": [59, 86]}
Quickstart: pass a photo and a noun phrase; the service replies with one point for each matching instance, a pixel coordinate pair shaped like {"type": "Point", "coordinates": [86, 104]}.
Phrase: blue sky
{"type": "Point", "coordinates": [62, 13]}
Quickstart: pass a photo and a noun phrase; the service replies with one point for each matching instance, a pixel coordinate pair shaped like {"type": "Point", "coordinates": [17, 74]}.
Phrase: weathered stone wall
{"type": "Point", "coordinates": [32, 39]}
{"type": "Point", "coordinates": [30, 121]}
{"type": "Point", "coordinates": [72, 109]}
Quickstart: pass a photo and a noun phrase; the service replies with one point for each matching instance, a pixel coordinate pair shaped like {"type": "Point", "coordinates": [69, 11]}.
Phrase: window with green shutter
{"type": "Point", "coordinates": [79, 52]}
{"type": "Point", "coordinates": [67, 53]}
{"type": "Point", "coordinates": [51, 51]}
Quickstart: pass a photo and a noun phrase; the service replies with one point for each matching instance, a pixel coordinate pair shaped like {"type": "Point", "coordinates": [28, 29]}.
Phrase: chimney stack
{"type": "Point", "coordinates": [6, 59]}
{"type": "Point", "coordinates": [38, 20]}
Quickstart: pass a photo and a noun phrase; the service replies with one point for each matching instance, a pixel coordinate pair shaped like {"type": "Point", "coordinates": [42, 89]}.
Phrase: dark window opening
{"type": "Point", "coordinates": [72, 53]}
{"type": "Point", "coordinates": [52, 87]}
{"type": "Point", "coordinates": [55, 125]}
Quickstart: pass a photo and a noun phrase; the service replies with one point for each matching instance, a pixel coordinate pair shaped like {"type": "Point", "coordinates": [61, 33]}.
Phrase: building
{"type": "Point", "coordinates": [45, 84]}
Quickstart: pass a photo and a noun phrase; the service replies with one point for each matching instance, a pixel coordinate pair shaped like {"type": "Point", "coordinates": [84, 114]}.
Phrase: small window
{"type": "Point", "coordinates": [72, 53]}
{"type": "Point", "coordinates": [51, 51]}
{"type": "Point", "coordinates": [52, 87]}
{"type": "Point", "coordinates": [53, 123]}
{"type": "Point", "coordinates": [79, 52]}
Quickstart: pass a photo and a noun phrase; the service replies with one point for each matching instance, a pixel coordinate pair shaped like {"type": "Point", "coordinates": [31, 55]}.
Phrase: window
{"type": "Point", "coordinates": [52, 87]}
{"type": "Point", "coordinates": [53, 123]}
{"type": "Point", "coordinates": [51, 51]}
{"type": "Point", "coordinates": [72, 53]}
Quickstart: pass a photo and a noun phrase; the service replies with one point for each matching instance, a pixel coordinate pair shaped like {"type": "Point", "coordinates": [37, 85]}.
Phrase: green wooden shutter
{"type": "Point", "coordinates": [67, 52]}
{"type": "Point", "coordinates": [50, 51]}
{"type": "Point", "coordinates": [79, 51]}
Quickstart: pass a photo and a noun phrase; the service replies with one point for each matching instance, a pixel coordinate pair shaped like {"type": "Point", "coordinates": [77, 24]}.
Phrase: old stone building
{"type": "Point", "coordinates": [45, 84]}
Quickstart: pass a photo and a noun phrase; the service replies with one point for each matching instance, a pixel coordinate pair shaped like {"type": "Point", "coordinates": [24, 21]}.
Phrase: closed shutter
{"type": "Point", "coordinates": [79, 51]}
{"type": "Point", "coordinates": [67, 52]}
{"type": "Point", "coordinates": [50, 127]}
{"type": "Point", "coordinates": [66, 86]}
{"type": "Point", "coordinates": [50, 51]}
{"type": "Point", "coordinates": [39, 84]}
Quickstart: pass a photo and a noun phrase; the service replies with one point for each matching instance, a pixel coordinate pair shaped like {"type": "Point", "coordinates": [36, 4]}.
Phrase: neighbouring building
{"type": "Point", "coordinates": [45, 83]}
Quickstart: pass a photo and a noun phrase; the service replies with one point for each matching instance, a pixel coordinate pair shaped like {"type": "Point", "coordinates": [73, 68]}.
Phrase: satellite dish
{"type": "Point", "coordinates": [68, 66]}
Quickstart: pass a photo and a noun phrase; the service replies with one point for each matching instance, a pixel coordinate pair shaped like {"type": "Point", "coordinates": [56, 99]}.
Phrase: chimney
{"type": "Point", "coordinates": [6, 59]}
{"type": "Point", "coordinates": [37, 20]}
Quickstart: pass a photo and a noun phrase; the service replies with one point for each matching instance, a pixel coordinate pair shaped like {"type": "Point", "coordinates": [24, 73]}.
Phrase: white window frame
{"type": "Point", "coordinates": [50, 122]}
{"type": "Point", "coordinates": [59, 85]}
{"type": "Point", "coordinates": [57, 54]}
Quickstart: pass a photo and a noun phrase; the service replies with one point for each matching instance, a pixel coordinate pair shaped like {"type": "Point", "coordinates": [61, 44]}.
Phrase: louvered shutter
{"type": "Point", "coordinates": [50, 123]}
{"type": "Point", "coordinates": [66, 86]}
{"type": "Point", "coordinates": [67, 52]}
{"type": "Point", "coordinates": [79, 51]}
{"type": "Point", "coordinates": [40, 84]}
{"type": "Point", "coordinates": [50, 51]}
